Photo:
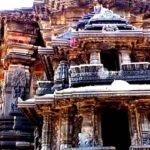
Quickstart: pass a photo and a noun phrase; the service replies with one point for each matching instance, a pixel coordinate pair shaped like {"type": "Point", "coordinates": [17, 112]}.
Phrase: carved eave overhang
{"type": "Point", "coordinates": [118, 91]}
{"type": "Point", "coordinates": [33, 108]}
{"type": "Point", "coordinates": [131, 94]}
{"type": "Point", "coordinates": [119, 38]}
{"type": "Point", "coordinates": [103, 93]}
{"type": "Point", "coordinates": [48, 99]}
{"type": "Point", "coordinates": [28, 108]}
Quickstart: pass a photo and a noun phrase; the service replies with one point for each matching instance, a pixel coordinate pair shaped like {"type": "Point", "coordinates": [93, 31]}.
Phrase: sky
{"type": "Point", "coordinates": [14, 4]}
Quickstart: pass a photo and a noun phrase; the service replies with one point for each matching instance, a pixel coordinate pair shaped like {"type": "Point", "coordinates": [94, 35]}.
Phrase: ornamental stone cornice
{"type": "Point", "coordinates": [52, 103]}
{"type": "Point", "coordinates": [103, 27]}
{"type": "Point", "coordinates": [109, 40]}
{"type": "Point", "coordinates": [100, 92]}
{"type": "Point", "coordinates": [19, 16]}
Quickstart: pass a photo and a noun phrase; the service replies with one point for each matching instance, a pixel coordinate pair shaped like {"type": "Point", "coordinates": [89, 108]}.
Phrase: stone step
{"type": "Point", "coordinates": [92, 148]}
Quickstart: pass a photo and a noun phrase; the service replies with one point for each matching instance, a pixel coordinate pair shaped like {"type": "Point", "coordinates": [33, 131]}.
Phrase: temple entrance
{"type": "Point", "coordinates": [110, 60]}
{"type": "Point", "coordinates": [115, 128]}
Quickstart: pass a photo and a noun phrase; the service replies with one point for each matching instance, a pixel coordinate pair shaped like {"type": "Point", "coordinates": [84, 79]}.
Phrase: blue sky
{"type": "Point", "coordinates": [13, 4]}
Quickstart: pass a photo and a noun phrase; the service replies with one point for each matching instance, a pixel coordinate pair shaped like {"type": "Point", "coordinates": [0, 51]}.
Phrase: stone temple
{"type": "Point", "coordinates": [75, 75]}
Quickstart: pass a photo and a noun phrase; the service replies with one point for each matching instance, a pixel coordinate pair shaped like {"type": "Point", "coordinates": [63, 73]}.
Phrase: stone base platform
{"type": "Point", "coordinates": [92, 148]}
{"type": "Point", "coordinates": [140, 147]}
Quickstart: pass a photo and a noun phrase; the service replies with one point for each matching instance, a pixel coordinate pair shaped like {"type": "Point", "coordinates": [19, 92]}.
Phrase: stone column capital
{"type": "Point", "coordinates": [125, 49]}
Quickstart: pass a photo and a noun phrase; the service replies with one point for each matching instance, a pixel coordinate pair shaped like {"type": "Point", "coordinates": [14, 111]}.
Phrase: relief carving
{"type": "Point", "coordinates": [37, 139]}
{"type": "Point", "coordinates": [110, 28]}
{"type": "Point", "coordinates": [86, 137]}
{"type": "Point", "coordinates": [18, 84]}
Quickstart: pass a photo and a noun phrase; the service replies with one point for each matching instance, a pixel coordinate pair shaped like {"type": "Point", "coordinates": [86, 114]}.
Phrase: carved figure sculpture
{"type": "Point", "coordinates": [18, 83]}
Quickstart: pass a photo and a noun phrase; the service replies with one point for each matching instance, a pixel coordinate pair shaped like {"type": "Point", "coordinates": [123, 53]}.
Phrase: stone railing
{"type": "Point", "coordinates": [92, 74]}
{"type": "Point", "coordinates": [139, 147]}
{"type": "Point", "coordinates": [135, 66]}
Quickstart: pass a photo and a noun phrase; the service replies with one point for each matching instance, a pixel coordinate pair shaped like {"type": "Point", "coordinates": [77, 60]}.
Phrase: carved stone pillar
{"type": "Point", "coordinates": [98, 128]}
{"type": "Point", "coordinates": [66, 130]}
{"type": "Point", "coordinates": [145, 128]}
{"type": "Point", "coordinates": [134, 126]}
{"type": "Point", "coordinates": [125, 56]}
{"type": "Point", "coordinates": [90, 130]}
{"type": "Point", "coordinates": [47, 132]}
{"type": "Point", "coordinates": [95, 58]}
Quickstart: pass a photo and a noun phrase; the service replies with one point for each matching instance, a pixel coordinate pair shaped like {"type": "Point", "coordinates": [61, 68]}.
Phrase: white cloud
{"type": "Point", "coordinates": [14, 4]}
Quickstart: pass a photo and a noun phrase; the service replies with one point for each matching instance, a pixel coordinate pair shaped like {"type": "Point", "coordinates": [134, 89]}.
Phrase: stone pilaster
{"type": "Point", "coordinates": [98, 128]}
{"type": "Point", "coordinates": [134, 126]}
{"type": "Point", "coordinates": [95, 58]}
{"type": "Point", "coordinates": [47, 132]}
{"type": "Point", "coordinates": [66, 130]}
{"type": "Point", "coordinates": [125, 56]}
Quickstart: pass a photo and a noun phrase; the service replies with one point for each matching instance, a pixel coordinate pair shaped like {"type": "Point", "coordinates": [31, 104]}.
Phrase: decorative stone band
{"type": "Point", "coordinates": [95, 33]}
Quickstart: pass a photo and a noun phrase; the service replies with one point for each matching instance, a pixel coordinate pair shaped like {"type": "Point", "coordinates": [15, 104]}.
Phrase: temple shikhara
{"type": "Point", "coordinates": [75, 75]}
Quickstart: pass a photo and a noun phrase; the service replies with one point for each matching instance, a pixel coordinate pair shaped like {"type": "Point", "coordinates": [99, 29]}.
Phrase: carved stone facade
{"type": "Point", "coordinates": [91, 62]}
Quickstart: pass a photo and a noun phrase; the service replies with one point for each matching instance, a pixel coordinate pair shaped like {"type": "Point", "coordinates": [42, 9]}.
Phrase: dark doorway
{"type": "Point", "coordinates": [110, 60]}
{"type": "Point", "coordinates": [115, 128]}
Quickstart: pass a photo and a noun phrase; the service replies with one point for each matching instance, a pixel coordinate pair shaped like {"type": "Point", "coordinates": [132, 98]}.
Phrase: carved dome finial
{"type": "Point", "coordinates": [97, 7]}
